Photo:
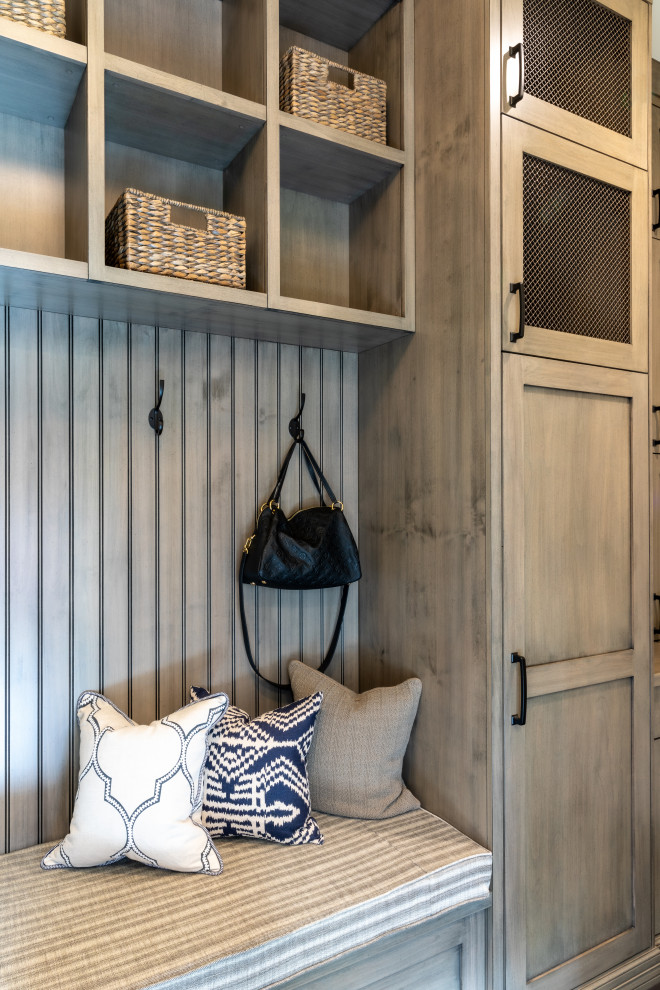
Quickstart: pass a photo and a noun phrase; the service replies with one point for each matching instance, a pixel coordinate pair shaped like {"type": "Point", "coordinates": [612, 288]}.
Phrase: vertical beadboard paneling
{"type": "Point", "coordinates": [329, 457]}
{"type": "Point", "coordinates": [143, 522]}
{"type": "Point", "coordinates": [291, 601]}
{"type": "Point", "coordinates": [221, 538]}
{"type": "Point", "coordinates": [245, 505]}
{"type": "Point", "coordinates": [312, 601]}
{"type": "Point", "coordinates": [267, 635]}
{"type": "Point", "coordinates": [115, 586]}
{"type": "Point", "coordinates": [85, 520]}
{"type": "Point", "coordinates": [171, 685]}
{"type": "Point", "coordinates": [196, 509]}
{"type": "Point", "coordinates": [55, 564]}
{"type": "Point", "coordinates": [349, 495]}
{"type": "Point", "coordinates": [122, 550]}
{"type": "Point", "coordinates": [23, 578]}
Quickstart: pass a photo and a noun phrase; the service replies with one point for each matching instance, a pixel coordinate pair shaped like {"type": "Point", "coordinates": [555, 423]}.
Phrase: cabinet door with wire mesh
{"type": "Point", "coordinates": [574, 250]}
{"type": "Point", "coordinates": [579, 68]}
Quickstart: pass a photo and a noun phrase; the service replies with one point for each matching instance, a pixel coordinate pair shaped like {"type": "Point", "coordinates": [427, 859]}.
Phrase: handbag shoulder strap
{"type": "Point", "coordinates": [246, 636]}
{"type": "Point", "coordinates": [315, 473]}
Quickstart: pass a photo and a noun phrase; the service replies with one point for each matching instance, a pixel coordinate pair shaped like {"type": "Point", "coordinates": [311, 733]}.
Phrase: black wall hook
{"type": "Point", "coordinates": [156, 416]}
{"type": "Point", "coordinates": [295, 428]}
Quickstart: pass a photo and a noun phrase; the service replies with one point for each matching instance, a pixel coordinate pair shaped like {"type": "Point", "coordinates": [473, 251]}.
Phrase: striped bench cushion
{"type": "Point", "coordinates": [274, 912]}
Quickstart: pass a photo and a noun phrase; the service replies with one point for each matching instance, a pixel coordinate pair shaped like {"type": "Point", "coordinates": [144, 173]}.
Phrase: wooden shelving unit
{"type": "Point", "coordinates": [189, 109]}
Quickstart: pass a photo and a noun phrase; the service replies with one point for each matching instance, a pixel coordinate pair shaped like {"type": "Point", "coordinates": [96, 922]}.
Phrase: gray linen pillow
{"type": "Point", "coordinates": [355, 760]}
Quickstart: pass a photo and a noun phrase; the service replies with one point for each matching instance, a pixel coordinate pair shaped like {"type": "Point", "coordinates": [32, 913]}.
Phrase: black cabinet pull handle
{"type": "Point", "coordinates": [519, 287]}
{"type": "Point", "coordinates": [522, 718]}
{"type": "Point", "coordinates": [656, 192]}
{"type": "Point", "coordinates": [519, 51]}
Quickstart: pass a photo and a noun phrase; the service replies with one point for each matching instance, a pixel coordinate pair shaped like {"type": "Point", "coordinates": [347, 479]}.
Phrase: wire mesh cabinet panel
{"type": "Point", "coordinates": [579, 68]}
{"type": "Point", "coordinates": [575, 276]}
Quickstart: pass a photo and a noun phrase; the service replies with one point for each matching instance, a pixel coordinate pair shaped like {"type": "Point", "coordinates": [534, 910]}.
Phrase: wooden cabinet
{"type": "Point", "coordinates": [656, 788]}
{"type": "Point", "coordinates": [507, 481]}
{"type": "Point", "coordinates": [42, 122]}
{"type": "Point", "coordinates": [580, 69]}
{"type": "Point", "coordinates": [576, 531]}
{"type": "Point", "coordinates": [188, 108]}
{"type": "Point", "coordinates": [574, 250]}
{"type": "Point", "coordinates": [655, 473]}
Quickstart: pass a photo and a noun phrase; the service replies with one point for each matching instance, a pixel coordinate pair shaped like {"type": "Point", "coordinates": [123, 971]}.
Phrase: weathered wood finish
{"type": "Point", "coordinates": [53, 73]}
{"type": "Point", "coordinates": [312, 266]}
{"type": "Point", "coordinates": [381, 53]}
{"type": "Point", "coordinates": [76, 207]}
{"type": "Point", "coordinates": [579, 829]}
{"type": "Point", "coordinates": [341, 169]}
{"type": "Point", "coordinates": [446, 953]}
{"type": "Point", "coordinates": [560, 428]}
{"type": "Point", "coordinates": [244, 197]}
{"type": "Point", "coordinates": [423, 444]}
{"type": "Point", "coordinates": [656, 830]}
{"type": "Point", "coordinates": [153, 111]}
{"type": "Point", "coordinates": [654, 150]}
{"type": "Point", "coordinates": [432, 601]}
{"type": "Point", "coordinates": [121, 550]}
{"type": "Point", "coordinates": [342, 23]}
{"type": "Point", "coordinates": [575, 799]}
{"type": "Point", "coordinates": [517, 139]}
{"type": "Point", "coordinates": [186, 41]}
{"type": "Point", "coordinates": [544, 115]}
{"type": "Point", "coordinates": [173, 99]}
{"type": "Point", "coordinates": [32, 179]}
{"type": "Point", "coordinates": [183, 181]}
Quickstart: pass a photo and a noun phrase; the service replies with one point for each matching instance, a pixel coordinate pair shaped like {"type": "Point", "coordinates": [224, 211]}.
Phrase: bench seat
{"type": "Point", "coordinates": [277, 916]}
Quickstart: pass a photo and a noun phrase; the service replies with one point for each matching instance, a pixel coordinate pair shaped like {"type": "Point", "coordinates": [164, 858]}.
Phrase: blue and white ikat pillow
{"type": "Point", "coordinates": [255, 783]}
{"type": "Point", "coordinates": [140, 789]}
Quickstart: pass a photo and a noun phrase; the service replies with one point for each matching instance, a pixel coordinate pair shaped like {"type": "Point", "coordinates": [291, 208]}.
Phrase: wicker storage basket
{"type": "Point", "coordinates": [306, 91]}
{"type": "Point", "coordinates": [140, 234]}
{"type": "Point", "coordinates": [45, 15]}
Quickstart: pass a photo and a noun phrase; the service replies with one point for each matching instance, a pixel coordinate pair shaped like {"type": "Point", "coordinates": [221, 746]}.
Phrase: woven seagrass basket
{"type": "Point", "coordinates": [141, 234]}
{"type": "Point", "coordinates": [354, 102]}
{"type": "Point", "coordinates": [45, 15]}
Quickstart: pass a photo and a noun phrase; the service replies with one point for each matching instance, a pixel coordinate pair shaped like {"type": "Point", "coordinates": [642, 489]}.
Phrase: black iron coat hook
{"type": "Point", "coordinates": [156, 416]}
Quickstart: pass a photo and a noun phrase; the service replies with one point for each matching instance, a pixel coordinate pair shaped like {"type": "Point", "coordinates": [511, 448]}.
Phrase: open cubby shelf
{"type": "Point", "coordinates": [188, 108]}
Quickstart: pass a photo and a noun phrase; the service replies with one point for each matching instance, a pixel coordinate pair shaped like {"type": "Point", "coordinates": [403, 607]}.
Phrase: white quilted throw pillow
{"type": "Point", "coordinates": [140, 789]}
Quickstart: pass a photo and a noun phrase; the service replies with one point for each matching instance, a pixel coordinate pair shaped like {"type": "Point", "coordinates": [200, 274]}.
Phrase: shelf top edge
{"type": "Point", "coordinates": [184, 88]}
{"type": "Point", "coordinates": [340, 22]}
{"type": "Point", "coordinates": [49, 44]}
{"type": "Point", "coordinates": [343, 314]}
{"type": "Point", "coordinates": [57, 285]}
{"type": "Point", "coordinates": [334, 135]}
{"type": "Point", "coordinates": [164, 284]}
{"type": "Point", "coordinates": [42, 264]}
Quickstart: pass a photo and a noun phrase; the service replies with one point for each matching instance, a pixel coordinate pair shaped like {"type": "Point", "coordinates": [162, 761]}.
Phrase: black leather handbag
{"type": "Point", "coordinates": [313, 548]}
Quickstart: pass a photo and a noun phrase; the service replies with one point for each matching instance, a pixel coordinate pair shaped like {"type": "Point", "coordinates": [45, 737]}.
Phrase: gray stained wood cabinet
{"type": "Point", "coordinates": [505, 460]}
{"type": "Point", "coordinates": [503, 446]}
{"type": "Point", "coordinates": [187, 107]}
{"type": "Point", "coordinates": [655, 470]}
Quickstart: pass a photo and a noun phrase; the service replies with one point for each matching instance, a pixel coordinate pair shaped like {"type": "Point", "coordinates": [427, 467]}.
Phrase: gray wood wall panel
{"type": "Point", "coordinates": [120, 550]}
{"type": "Point", "coordinates": [171, 621]}
{"type": "Point", "coordinates": [143, 481]}
{"type": "Point", "coordinates": [55, 545]}
{"type": "Point", "coordinates": [116, 502]}
{"type": "Point", "coordinates": [23, 582]}
{"type": "Point", "coordinates": [86, 524]}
